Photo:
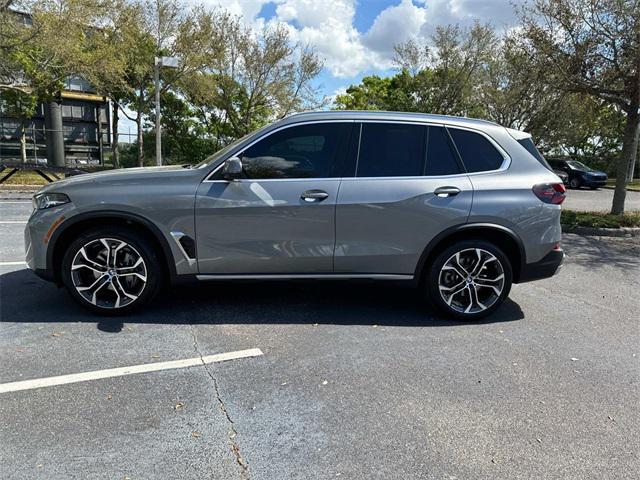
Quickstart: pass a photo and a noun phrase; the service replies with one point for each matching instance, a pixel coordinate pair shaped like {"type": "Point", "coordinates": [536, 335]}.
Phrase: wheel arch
{"type": "Point", "coordinates": [505, 238]}
{"type": "Point", "coordinates": [67, 231]}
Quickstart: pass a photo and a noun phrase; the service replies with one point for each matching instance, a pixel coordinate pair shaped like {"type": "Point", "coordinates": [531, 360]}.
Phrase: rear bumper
{"type": "Point", "coordinates": [545, 268]}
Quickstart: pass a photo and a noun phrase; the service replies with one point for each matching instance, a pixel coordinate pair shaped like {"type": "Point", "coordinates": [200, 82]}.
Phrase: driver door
{"type": "Point", "coordinates": [280, 217]}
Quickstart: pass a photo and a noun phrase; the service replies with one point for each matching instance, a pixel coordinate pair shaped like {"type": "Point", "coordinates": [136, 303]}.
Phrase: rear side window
{"type": "Point", "coordinates": [528, 144]}
{"type": "Point", "coordinates": [478, 154]}
{"type": "Point", "coordinates": [440, 158]}
{"type": "Point", "coordinates": [391, 150]}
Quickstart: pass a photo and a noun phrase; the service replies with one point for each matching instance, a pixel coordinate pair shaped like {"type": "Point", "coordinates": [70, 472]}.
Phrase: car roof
{"type": "Point", "coordinates": [383, 115]}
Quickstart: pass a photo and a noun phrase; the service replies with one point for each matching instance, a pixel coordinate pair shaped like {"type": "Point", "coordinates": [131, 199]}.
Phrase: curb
{"type": "Point", "coordinates": [20, 188]}
{"type": "Point", "coordinates": [629, 189]}
{"type": "Point", "coordinates": [625, 232]}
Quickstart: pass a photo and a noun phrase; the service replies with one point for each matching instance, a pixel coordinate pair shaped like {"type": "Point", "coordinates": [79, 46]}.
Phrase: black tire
{"type": "Point", "coordinates": [432, 279]}
{"type": "Point", "coordinates": [135, 244]}
{"type": "Point", "coordinates": [575, 183]}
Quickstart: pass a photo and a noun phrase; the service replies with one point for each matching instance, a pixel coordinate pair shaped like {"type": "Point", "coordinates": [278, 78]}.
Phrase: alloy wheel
{"type": "Point", "coordinates": [471, 280]}
{"type": "Point", "coordinates": [109, 273]}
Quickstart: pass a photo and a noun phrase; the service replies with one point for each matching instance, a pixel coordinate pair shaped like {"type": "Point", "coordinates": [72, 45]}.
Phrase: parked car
{"type": "Point", "coordinates": [460, 207]}
{"type": "Point", "coordinates": [563, 176]}
{"type": "Point", "coordinates": [580, 175]}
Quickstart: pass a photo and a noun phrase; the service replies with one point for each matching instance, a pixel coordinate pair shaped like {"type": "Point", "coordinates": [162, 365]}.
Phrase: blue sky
{"type": "Point", "coordinates": [355, 38]}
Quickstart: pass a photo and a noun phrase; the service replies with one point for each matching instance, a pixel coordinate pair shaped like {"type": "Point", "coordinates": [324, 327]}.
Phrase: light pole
{"type": "Point", "coordinates": [171, 62]}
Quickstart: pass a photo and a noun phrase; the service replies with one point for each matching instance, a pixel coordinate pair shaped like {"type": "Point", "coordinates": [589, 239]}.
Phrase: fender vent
{"type": "Point", "coordinates": [189, 246]}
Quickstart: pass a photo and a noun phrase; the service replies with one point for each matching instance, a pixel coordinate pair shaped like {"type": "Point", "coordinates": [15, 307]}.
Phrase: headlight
{"type": "Point", "coordinates": [48, 200]}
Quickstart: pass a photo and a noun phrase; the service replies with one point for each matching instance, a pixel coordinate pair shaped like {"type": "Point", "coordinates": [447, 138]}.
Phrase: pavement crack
{"type": "Point", "coordinates": [232, 433]}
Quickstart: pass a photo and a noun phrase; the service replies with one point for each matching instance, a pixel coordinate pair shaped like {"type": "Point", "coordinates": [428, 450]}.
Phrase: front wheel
{"type": "Point", "coordinates": [469, 280]}
{"type": "Point", "coordinates": [111, 271]}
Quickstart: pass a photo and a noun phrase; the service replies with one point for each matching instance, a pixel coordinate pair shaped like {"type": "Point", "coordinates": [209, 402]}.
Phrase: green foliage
{"type": "Point", "coordinates": [592, 48]}
{"type": "Point", "coordinates": [474, 73]}
{"type": "Point", "coordinates": [17, 103]}
{"type": "Point", "coordinates": [250, 77]}
{"type": "Point", "coordinates": [599, 219]}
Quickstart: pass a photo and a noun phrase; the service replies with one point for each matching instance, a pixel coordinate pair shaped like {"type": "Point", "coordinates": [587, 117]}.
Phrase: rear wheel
{"type": "Point", "coordinates": [575, 183]}
{"type": "Point", "coordinates": [111, 271]}
{"type": "Point", "coordinates": [469, 280]}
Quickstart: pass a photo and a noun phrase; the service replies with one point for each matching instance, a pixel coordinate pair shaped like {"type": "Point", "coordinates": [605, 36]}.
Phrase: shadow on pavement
{"type": "Point", "coordinates": [598, 252]}
{"type": "Point", "coordinates": [26, 298]}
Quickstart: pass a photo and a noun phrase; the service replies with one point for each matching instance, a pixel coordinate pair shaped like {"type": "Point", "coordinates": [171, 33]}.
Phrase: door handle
{"type": "Point", "coordinates": [311, 196]}
{"type": "Point", "coordinates": [446, 191]}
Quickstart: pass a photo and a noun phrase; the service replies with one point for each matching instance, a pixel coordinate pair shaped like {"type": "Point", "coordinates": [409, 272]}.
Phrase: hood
{"type": "Point", "coordinates": [116, 175]}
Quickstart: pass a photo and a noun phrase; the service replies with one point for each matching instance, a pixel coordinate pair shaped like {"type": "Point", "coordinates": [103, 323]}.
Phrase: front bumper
{"type": "Point", "coordinates": [37, 233]}
{"type": "Point", "coordinates": [545, 268]}
{"type": "Point", "coordinates": [594, 182]}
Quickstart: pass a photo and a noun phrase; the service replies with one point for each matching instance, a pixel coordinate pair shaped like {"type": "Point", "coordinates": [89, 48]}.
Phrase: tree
{"type": "Point", "coordinates": [44, 42]}
{"type": "Point", "coordinates": [249, 77]}
{"type": "Point", "coordinates": [592, 47]}
{"type": "Point", "coordinates": [18, 104]}
{"type": "Point", "coordinates": [445, 72]}
{"type": "Point", "coordinates": [516, 94]}
{"type": "Point", "coordinates": [441, 76]}
{"type": "Point", "coordinates": [372, 94]}
{"type": "Point", "coordinates": [142, 31]}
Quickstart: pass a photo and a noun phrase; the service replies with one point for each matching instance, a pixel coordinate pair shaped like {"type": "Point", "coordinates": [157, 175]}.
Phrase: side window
{"type": "Point", "coordinates": [478, 154]}
{"type": "Point", "coordinates": [440, 158]}
{"type": "Point", "coordinates": [391, 150]}
{"type": "Point", "coordinates": [306, 151]}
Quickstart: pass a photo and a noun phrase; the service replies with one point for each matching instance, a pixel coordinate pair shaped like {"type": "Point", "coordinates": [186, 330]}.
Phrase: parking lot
{"type": "Point", "coordinates": [598, 200]}
{"type": "Point", "coordinates": [354, 380]}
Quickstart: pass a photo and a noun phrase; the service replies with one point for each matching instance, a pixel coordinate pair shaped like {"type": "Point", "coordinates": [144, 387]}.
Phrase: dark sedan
{"type": "Point", "coordinates": [563, 176]}
{"type": "Point", "coordinates": [579, 174]}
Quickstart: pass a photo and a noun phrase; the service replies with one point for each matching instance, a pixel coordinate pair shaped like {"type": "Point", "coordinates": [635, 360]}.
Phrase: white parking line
{"type": "Point", "coordinates": [15, 201]}
{"type": "Point", "coordinates": [10, 264]}
{"type": "Point", "coordinates": [119, 372]}
{"type": "Point", "coordinates": [13, 222]}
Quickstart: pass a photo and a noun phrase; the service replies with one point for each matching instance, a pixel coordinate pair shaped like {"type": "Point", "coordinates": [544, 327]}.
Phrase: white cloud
{"type": "Point", "coordinates": [500, 13]}
{"type": "Point", "coordinates": [338, 91]}
{"type": "Point", "coordinates": [395, 25]}
{"type": "Point", "coordinates": [328, 26]}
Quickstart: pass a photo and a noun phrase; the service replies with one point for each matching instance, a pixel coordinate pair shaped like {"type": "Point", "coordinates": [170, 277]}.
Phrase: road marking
{"type": "Point", "coordinates": [15, 201]}
{"type": "Point", "coordinates": [13, 222]}
{"type": "Point", "coordinates": [122, 371]}
{"type": "Point", "coordinates": [10, 264]}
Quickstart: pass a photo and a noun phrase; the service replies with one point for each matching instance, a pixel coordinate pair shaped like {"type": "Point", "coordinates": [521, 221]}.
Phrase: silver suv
{"type": "Point", "coordinates": [460, 207]}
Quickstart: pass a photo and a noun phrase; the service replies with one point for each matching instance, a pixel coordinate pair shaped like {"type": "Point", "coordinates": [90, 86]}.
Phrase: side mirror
{"type": "Point", "coordinates": [232, 169]}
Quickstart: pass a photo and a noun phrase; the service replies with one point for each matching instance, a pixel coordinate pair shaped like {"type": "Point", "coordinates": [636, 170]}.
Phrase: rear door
{"type": "Point", "coordinates": [406, 185]}
{"type": "Point", "coordinates": [280, 218]}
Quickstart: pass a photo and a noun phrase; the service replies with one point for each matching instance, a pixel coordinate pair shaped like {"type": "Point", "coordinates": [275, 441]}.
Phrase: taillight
{"type": "Point", "coordinates": [550, 192]}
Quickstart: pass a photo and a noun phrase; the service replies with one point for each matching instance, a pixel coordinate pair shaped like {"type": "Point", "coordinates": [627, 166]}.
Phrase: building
{"type": "Point", "coordinates": [86, 125]}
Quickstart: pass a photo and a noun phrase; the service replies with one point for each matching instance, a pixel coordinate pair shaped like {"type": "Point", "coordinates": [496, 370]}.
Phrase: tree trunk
{"type": "Point", "coordinates": [634, 160]}
{"type": "Point", "coordinates": [629, 149]}
{"type": "Point", "coordinates": [115, 117]}
{"type": "Point", "coordinates": [139, 126]}
{"type": "Point", "coordinates": [23, 142]}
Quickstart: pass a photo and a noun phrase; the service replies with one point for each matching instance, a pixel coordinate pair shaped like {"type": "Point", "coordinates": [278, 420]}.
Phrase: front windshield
{"type": "Point", "coordinates": [579, 166]}
{"type": "Point", "coordinates": [225, 150]}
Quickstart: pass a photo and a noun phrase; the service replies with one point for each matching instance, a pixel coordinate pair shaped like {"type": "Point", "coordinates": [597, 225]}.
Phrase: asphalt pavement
{"type": "Point", "coordinates": [587, 200]}
{"type": "Point", "coordinates": [357, 379]}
